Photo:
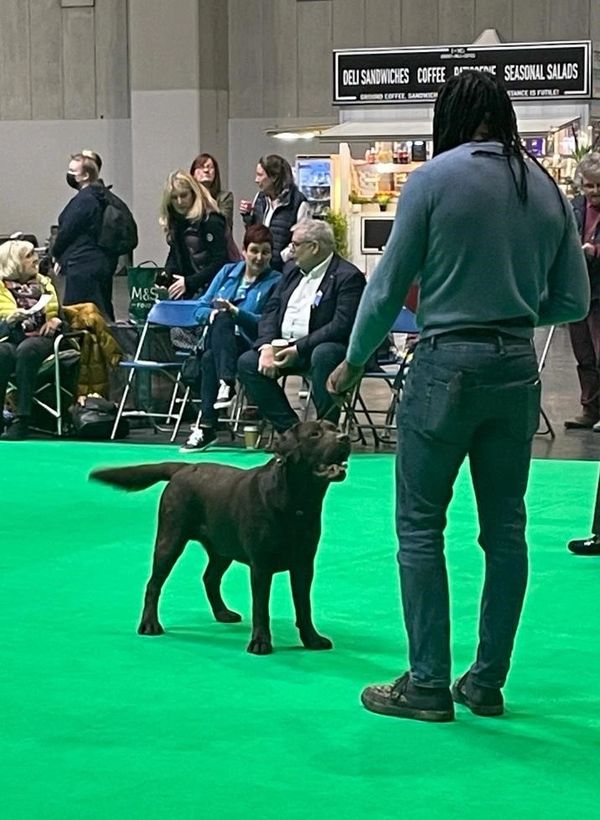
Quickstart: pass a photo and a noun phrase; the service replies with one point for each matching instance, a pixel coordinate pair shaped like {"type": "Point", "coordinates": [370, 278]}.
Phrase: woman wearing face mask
{"type": "Point", "coordinates": [205, 170]}
{"type": "Point", "coordinates": [231, 308]}
{"type": "Point", "coordinates": [26, 338]}
{"type": "Point", "coordinates": [88, 268]}
{"type": "Point", "coordinates": [195, 232]}
{"type": "Point", "coordinates": [279, 205]}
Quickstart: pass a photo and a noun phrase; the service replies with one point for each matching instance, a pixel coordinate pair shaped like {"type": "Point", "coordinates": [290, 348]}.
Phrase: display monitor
{"type": "Point", "coordinates": [374, 233]}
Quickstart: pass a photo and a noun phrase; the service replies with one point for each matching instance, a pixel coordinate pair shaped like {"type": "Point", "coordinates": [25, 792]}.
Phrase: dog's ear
{"type": "Point", "coordinates": [286, 444]}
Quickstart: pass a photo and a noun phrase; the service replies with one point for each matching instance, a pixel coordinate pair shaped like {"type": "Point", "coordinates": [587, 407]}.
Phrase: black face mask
{"type": "Point", "coordinates": [72, 180]}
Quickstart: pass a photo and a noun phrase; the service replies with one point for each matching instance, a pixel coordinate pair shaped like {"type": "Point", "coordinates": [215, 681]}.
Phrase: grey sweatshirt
{"type": "Point", "coordinates": [482, 257]}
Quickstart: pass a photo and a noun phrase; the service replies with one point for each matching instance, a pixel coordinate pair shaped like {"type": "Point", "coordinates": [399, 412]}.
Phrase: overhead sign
{"type": "Point", "coordinates": [529, 71]}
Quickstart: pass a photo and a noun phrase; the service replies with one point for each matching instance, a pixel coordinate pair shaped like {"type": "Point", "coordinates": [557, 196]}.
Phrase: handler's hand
{"type": "Point", "coordinates": [266, 363]}
{"type": "Point", "coordinates": [588, 249]}
{"type": "Point", "coordinates": [342, 380]}
{"type": "Point", "coordinates": [287, 357]}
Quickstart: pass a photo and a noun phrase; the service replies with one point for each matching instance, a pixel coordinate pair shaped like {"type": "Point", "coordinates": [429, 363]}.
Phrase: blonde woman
{"type": "Point", "coordinates": [195, 231]}
{"type": "Point", "coordinates": [26, 333]}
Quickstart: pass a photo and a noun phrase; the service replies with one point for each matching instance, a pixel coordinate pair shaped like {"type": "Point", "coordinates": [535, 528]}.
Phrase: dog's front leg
{"type": "Point", "coordinates": [301, 580]}
{"type": "Point", "coordinates": [260, 581]}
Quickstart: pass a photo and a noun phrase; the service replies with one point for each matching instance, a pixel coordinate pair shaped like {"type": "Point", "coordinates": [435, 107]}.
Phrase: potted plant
{"type": "Point", "coordinates": [339, 223]}
{"type": "Point", "coordinates": [382, 199]}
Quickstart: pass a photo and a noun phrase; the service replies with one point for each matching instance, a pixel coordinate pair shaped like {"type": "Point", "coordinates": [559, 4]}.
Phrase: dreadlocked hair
{"type": "Point", "coordinates": [476, 98]}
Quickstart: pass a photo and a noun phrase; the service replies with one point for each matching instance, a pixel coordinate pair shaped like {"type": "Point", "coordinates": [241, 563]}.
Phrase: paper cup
{"type": "Point", "coordinates": [251, 435]}
{"type": "Point", "coordinates": [278, 345]}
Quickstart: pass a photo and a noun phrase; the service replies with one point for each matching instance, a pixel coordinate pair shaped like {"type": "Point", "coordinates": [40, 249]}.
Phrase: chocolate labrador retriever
{"type": "Point", "coordinates": [268, 517]}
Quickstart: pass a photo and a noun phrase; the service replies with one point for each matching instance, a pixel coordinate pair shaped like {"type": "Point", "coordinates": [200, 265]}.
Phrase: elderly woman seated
{"type": "Point", "coordinates": [231, 309]}
{"type": "Point", "coordinates": [28, 322]}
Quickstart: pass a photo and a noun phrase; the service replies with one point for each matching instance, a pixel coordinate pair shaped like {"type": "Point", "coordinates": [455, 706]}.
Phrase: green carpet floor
{"type": "Point", "coordinates": [97, 722]}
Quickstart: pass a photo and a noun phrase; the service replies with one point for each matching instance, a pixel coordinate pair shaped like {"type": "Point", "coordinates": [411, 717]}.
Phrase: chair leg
{"type": "Point", "coordinates": [179, 417]}
{"type": "Point", "coordinates": [122, 404]}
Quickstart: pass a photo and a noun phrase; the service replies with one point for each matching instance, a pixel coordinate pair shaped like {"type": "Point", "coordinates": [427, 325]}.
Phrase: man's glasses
{"type": "Point", "coordinates": [296, 245]}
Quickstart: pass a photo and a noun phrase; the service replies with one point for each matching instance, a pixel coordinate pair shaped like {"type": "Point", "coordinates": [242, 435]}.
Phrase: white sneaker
{"type": "Point", "coordinates": [224, 396]}
{"type": "Point", "coordinates": [200, 439]}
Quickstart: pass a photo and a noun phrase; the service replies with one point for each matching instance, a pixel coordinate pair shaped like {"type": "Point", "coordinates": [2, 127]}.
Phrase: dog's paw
{"type": "Point", "coordinates": [227, 616]}
{"type": "Point", "coordinates": [260, 646]}
{"type": "Point", "coordinates": [316, 641]}
{"type": "Point", "coordinates": [150, 628]}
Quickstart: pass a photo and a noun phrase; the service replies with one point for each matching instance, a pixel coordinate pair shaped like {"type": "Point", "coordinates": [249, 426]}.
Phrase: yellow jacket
{"type": "Point", "coordinates": [8, 304]}
{"type": "Point", "coordinates": [99, 351]}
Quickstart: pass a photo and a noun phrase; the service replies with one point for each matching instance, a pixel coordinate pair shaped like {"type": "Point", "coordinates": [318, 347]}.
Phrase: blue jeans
{"type": "Point", "coordinates": [477, 397]}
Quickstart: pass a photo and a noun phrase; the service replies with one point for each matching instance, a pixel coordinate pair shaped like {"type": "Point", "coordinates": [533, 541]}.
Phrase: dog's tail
{"type": "Point", "coordinates": [139, 477]}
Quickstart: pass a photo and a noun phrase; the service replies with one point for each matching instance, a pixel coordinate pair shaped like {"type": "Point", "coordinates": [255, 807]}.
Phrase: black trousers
{"type": "Point", "coordinates": [270, 396]}
{"type": "Point", "coordinates": [23, 360]}
{"type": "Point", "coordinates": [222, 349]}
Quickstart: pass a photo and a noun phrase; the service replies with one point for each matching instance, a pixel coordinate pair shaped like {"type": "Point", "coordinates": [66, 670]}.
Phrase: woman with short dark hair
{"type": "Point", "coordinates": [231, 309]}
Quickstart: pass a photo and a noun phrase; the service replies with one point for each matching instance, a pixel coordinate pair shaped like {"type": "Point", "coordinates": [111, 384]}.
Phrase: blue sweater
{"type": "Point", "coordinates": [225, 286]}
{"type": "Point", "coordinates": [482, 257]}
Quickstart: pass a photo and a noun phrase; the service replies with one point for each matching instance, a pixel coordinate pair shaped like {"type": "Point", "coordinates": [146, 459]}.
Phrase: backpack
{"type": "Point", "coordinates": [118, 232]}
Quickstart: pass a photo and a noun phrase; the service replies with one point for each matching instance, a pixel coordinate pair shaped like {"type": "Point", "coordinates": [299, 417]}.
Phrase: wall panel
{"type": "Point", "coordinates": [383, 23]}
{"type": "Point", "coordinates": [530, 21]}
{"type": "Point", "coordinates": [348, 17]}
{"type": "Point", "coordinates": [246, 58]}
{"type": "Point", "coordinates": [45, 37]}
{"type": "Point", "coordinates": [420, 23]}
{"type": "Point", "coordinates": [315, 43]}
{"type": "Point", "coordinates": [494, 14]}
{"type": "Point", "coordinates": [569, 19]}
{"type": "Point", "coordinates": [456, 21]}
{"type": "Point", "coordinates": [79, 70]}
{"type": "Point", "coordinates": [15, 75]}
{"type": "Point", "coordinates": [111, 63]}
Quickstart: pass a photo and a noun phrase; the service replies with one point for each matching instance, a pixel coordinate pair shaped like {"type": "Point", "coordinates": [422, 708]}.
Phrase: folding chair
{"type": "Point", "coordinates": [387, 374]}
{"type": "Point", "coordinates": [165, 314]}
{"type": "Point", "coordinates": [52, 396]}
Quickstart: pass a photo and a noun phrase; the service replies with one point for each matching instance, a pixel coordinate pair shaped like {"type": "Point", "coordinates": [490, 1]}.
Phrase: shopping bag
{"type": "Point", "coordinates": [143, 290]}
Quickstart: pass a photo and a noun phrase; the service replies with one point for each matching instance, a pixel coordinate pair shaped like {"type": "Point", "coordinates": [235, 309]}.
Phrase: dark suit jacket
{"type": "Point", "coordinates": [331, 319]}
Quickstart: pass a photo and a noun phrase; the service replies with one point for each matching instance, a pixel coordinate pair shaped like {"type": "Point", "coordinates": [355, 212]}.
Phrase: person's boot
{"type": "Point", "coordinates": [585, 546]}
{"type": "Point", "coordinates": [405, 699]}
{"type": "Point", "coordinates": [481, 700]}
{"type": "Point", "coordinates": [18, 430]}
{"type": "Point", "coordinates": [583, 422]}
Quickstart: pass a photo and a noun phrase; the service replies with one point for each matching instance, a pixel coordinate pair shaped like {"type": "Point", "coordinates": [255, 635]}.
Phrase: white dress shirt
{"type": "Point", "coordinates": [306, 295]}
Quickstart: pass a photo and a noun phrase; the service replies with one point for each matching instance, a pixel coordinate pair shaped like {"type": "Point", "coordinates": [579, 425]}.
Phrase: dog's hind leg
{"type": "Point", "coordinates": [170, 543]}
{"type": "Point", "coordinates": [260, 642]}
{"type": "Point", "coordinates": [301, 580]}
{"type": "Point", "coordinates": [217, 566]}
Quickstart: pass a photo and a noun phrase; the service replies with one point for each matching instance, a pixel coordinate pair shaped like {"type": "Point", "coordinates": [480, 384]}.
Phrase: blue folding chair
{"type": "Point", "coordinates": [388, 372]}
{"type": "Point", "coordinates": [165, 314]}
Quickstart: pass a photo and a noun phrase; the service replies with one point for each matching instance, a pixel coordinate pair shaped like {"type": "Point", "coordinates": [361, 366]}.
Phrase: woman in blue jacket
{"type": "Point", "coordinates": [231, 309]}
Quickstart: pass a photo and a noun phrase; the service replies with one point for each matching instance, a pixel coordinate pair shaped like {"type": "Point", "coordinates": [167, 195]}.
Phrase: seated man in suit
{"type": "Point", "coordinates": [313, 308]}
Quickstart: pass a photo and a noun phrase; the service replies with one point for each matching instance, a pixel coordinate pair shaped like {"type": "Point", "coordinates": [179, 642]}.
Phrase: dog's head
{"type": "Point", "coordinates": [318, 446]}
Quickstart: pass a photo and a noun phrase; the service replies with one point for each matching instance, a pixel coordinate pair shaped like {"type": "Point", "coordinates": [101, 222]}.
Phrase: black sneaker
{"type": "Point", "coordinates": [200, 439]}
{"type": "Point", "coordinates": [583, 422]}
{"type": "Point", "coordinates": [481, 700]}
{"type": "Point", "coordinates": [404, 699]}
{"type": "Point", "coordinates": [587, 546]}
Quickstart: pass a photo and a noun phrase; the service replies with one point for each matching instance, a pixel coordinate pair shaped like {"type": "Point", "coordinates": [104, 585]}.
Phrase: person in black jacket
{"type": "Point", "coordinates": [313, 308]}
{"type": "Point", "coordinates": [585, 335]}
{"type": "Point", "coordinates": [195, 231]}
{"type": "Point", "coordinates": [88, 268]}
{"type": "Point", "coordinates": [279, 205]}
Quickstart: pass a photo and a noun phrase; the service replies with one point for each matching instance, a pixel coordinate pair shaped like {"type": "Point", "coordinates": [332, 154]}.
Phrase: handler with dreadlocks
{"type": "Point", "coordinates": [494, 245]}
